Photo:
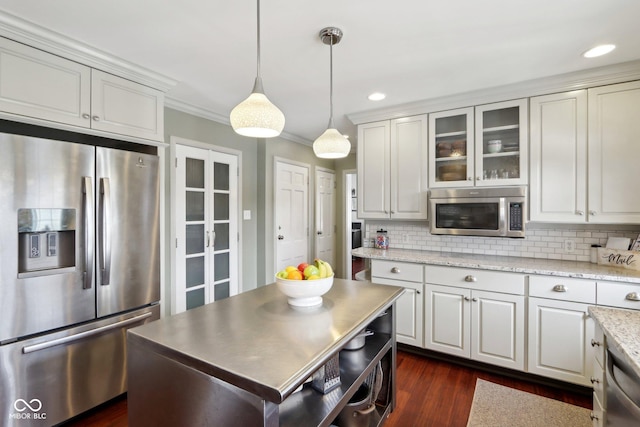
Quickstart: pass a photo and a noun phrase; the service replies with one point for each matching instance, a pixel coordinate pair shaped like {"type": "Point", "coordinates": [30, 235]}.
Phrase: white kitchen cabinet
{"type": "Point", "coordinates": [468, 315]}
{"type": "Point", "coordinates": [492, 152]}
{"type": "Point", "coordinates": [392, 169]}
{"type": "Point", "coordinates": [39, 85]}
{"type": "Point", "coordinates": [558, 157]}
{"type": "Point", "coordinates": [409, 307]}
{"type": "Point", "coordinates": [613, 153]}
{"type": "Point", "coordinates": [560, 329]}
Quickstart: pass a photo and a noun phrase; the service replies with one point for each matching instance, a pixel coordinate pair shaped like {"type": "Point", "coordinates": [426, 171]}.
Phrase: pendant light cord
{"type": "Point", "coordinates": [331, 82]}
{"type": "Point", "coordinates": [258, 65]}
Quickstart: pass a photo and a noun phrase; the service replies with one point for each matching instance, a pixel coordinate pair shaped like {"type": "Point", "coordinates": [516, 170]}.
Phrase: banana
{"type": "Point", "coordinates": [329, 268]}
{"type": "Point", "coordinates": [322, 268]}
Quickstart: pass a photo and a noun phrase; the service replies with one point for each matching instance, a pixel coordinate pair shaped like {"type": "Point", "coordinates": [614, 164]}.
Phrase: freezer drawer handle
{"type": "Point", "coordinates": [85, 334]}
{"type": "Point", "coordinates": [105, 238]}
{"type": "Point", "coordinates": [87, 194]}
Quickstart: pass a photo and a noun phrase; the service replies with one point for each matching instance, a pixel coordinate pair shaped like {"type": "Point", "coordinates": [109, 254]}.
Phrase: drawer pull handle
{"type": "Point", "coordinates": [633, 296]}
{"type": "Point", "coordinates": [560, 288]}
{"type": "Point", "coordinates": [595, 343]}
{"type": "Point", "coordinates": [593, 416]}
{"type": "Point", "coordinates": [470, 278]}
{"type": "Point", "coordinates": [594, 380]}
{"type": "Point", "coordinates": [395, 270]}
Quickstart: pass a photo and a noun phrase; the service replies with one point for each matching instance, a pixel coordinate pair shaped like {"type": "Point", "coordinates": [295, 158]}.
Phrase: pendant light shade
{"type": "Point", "coordinates": [256, 116]}
{"type": "Point", "coordinates": [331, 144]}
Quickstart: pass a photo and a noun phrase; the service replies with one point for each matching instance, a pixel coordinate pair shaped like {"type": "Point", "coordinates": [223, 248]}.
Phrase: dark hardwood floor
{"type": "Point", "coordinates": [430, 393]}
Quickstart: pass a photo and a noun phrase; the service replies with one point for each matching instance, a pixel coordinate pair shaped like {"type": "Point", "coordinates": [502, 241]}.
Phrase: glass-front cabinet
{"type": "Point", "coordinates": [451, 148]}
{"type": "Point", "coordinates": [481, 146]}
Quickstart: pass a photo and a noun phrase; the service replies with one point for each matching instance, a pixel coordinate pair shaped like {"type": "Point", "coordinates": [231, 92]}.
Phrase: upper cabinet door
{"type": "Point", "coordinates": [558, 182]}
{"type": "Point", "coordinates": [409, 168]}
{"type": "Point", "coordinates": [374, 199]}
{"type": "Point", "coordinates": [613, 153]}
{"type": "Point", "coordinates": [124, 107]}
{"type": "Point", "coordinates": [34, 83]}
{"type": "Point", "coordinates": [451, 148]}
{"type": "Point", "coordinates": [501, 143]}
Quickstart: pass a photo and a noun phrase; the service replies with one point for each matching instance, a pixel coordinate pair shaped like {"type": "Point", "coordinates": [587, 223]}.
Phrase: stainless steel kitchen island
{"type": "Point", "coordinates": [242, 360]}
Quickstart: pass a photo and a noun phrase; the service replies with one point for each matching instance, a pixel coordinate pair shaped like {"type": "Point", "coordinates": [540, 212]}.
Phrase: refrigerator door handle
{"type": "Point", "coordinates": [87, 195]}
{"type": "Point", "coordinates": [48, 344]}
{"type": "Point", "coordinates": [105, 241]}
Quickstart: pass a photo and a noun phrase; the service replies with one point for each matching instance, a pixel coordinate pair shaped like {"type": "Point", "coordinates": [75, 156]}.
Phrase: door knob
{"type": "Point", "coordinates": [319, 233]}
{"type": "Point", "coordinates": [280, 237]}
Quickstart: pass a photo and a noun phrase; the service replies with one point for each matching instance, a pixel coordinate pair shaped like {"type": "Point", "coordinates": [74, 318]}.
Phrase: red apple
{"type": "Point", "coordinates": [302, 266]}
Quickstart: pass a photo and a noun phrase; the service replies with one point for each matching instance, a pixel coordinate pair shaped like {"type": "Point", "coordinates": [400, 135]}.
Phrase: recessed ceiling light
{"type": "Point", "coordinates": [377, 96]}
{"type": "Point", "coordinates": [603, 49]}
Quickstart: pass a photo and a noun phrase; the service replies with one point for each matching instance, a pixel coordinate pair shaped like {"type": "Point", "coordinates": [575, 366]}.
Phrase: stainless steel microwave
{"type": "Point", "coordinates": [499, 212]}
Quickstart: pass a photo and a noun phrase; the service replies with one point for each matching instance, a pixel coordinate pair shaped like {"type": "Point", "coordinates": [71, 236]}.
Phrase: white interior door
{"type": "Point", "coordinates": [291, 214]}
{"type": "Point", "coordinates": [206, 220]}
{"type": "Point", "coordinates": [325, 215]}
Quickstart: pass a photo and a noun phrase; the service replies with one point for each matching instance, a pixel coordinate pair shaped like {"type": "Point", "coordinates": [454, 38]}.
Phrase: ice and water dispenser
{"type": "Point", "coordinates": [46, 241]}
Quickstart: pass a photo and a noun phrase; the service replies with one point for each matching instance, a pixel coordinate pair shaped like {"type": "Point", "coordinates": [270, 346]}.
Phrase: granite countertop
{"type": "Point", "coordinates": [622, 329]}
{"type": "Point", "coordinates": [576, 269]}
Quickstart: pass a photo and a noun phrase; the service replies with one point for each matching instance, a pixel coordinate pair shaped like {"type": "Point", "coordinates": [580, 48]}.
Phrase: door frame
{"type": "Point", "coordinates": [170, 307]}
{"type": "Point", "coordinates": [274, 225]}
{"type": "Point", "coordinates": [346, 252]}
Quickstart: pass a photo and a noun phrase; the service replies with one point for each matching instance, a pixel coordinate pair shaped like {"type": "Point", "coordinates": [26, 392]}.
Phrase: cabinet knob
{"type": "Point", "coordinates": [470, 278]}
{"type": "Point", "coordinates": [474, 299]}
{"type": "Point", "coordinates": [319, 233]}
{"type": "Point", "coordinates": [466, 298]}
{"type": "Point", "coordinates": [86, 116]}
{"type": "Point", "coordinates": [280, 237]}
{"type": "Point", "coordinates": [592, 213]}
{"type": "Point", "coordinates": [96, 118]}
{"type": "Point", "coordinates": [478, 178]}
{"type": "Point", "coordinates": [594, 380]}
{"type": "Point", "coordinates": [469, 178]}
{"type": "Point", "coordinates": [632, 296]}
{"type": "Point", "coordinates": [395, 270]}
{"type": "Point", "coordinates": [581, 213]}
{"type": "Point", "coordinates": [418, 292]}
{"type": "Point", "coordinates": [560, 288]}
{"type": "Point", "coordinates": [595, 343]}
{"type": "Point", "coordinates": [593, 416]}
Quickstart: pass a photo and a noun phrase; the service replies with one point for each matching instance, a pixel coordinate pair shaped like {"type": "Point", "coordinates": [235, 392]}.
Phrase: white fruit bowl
{"type": "Point", "coordinates": [304, 293]}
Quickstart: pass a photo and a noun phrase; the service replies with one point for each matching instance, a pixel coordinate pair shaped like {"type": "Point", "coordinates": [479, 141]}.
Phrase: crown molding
{"type": "Point", "coordinates": [28, 33]}
{"type": "Point", "coordinates": [194, 110]}
{"type": "Point", "coordinates": [600, 76]}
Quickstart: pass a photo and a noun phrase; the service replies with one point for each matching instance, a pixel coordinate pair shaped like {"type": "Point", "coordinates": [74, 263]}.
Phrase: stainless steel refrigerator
{"type": "Point", "coordinates": [79, 264]}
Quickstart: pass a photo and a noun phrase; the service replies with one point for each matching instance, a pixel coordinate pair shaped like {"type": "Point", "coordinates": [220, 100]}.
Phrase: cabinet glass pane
{"type": "Point", "coordinates": [501, 144]}
{"type": "Point", "coordinates": [195, 239]}
{"type": "Point", "coordinates": [451, 148]}
{"type": "Point", "coordinates": [221, 266]}
{"type": "Point", "coordinates": [220, 176]}
{"type": "Point", "coordinates": [502, 117]}
{"type": "Point", "coordinates": [221, 291]}
{"type": "Point", "coordinates": [222, 236]}
{"type": "Point", "coordinates": [195, 298]}
{"type": "Point", "coordinates": [194, 206]}
{"type": "Point", "coordinates": [194, 173]}
{"type": "Point", "coordinates": [220, 206]}
{"type": "Point", "coordinates": [194, 271]}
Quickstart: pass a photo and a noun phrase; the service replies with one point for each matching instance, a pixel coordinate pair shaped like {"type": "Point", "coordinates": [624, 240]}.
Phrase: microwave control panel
{"type": "Point", "coordinates": [515, 216]}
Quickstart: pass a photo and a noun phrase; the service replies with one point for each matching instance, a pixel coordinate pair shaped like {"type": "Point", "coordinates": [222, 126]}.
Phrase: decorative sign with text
{"type": "Point", "coordinates": [619, 258]}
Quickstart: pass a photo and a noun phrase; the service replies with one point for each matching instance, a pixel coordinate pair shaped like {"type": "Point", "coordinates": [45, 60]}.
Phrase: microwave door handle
{"type": "Point", "coordinates": [87, 201]}
{"type": "Point", "coordinates": [502, 217]}
{"type": "Point", "coordinates": [105, 256]}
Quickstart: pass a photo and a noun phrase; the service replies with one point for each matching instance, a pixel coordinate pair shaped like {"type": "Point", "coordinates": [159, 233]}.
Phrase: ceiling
{"type": "Point", "coordinates": [412, 50]}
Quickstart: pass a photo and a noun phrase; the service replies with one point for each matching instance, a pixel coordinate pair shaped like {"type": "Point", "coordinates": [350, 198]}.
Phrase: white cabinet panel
{"type": "Point", "coordinates": [409, 315]}
{"type": "Point", "coordinates": [560, 333]}
{"type": "Point", "coordinates": [558, 183]}
{"type": "Point", "coordinates": [447, 320]}
{"type": "Point", "coordinates": [37, 84]}
{"type": "Point", "coordinates": [122, 106]}
{"type": "Point", "coordinates": [613, 153]}
{"type": "Point", "coordinates": [373, 170]}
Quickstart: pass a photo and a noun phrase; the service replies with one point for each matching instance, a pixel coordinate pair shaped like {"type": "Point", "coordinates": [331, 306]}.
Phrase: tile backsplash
{"type": "Point", "coordinates": [541, 240]}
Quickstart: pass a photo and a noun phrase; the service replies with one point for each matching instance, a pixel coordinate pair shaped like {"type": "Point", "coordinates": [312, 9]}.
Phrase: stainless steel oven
{"type": "Point", "coordinates": [499, 212]}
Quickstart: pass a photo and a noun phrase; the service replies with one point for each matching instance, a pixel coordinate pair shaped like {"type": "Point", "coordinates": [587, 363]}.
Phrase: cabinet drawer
{"type": "Point", "coordinates": [618, 295]}
{"type": "Point", "coordinates": [563, 288]}
{"type": "Point", "coordinates": [484, 280]}
{"type": "Point", "coordinates": [397, 270]}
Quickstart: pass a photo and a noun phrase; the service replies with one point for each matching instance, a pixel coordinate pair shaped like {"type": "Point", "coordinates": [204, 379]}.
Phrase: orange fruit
{"type": "Point", "coordinates": [294, 275]}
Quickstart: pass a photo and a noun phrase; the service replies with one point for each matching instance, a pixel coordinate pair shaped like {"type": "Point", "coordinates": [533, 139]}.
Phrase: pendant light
{"type": "Point", "coordinates": [256, 116]}
{"type": "Point", "coordinates": [331, 144]}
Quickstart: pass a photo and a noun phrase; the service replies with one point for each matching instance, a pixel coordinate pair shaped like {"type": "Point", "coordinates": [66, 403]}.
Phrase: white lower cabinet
{"type": "Point", "coordinates": [409, 307]}
{"type": "Point", "coordinates": [474, 321]}
{"type": "Point", "coordinates": [560, 330]}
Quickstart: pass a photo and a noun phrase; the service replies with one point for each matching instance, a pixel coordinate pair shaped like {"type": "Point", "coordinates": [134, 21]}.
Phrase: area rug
{"type": "Point", "coordinates": [498, 406]}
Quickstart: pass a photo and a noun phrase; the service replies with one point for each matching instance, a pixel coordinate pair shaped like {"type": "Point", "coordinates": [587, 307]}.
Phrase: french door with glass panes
{"type": "Point", "coordinates": [206, 208]}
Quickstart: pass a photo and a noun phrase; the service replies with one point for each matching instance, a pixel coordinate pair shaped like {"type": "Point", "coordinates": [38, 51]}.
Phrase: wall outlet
{"type": "Point", "coordinates": [569, 246]}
